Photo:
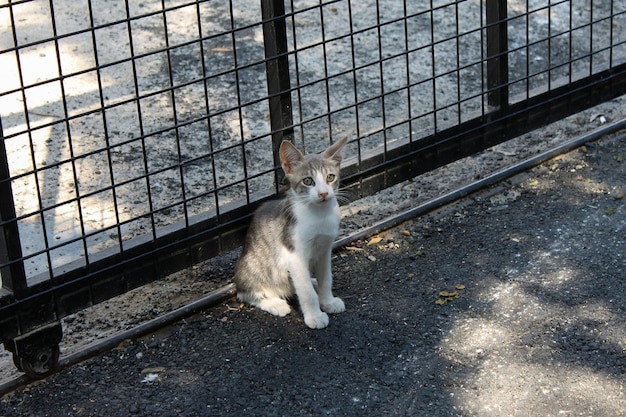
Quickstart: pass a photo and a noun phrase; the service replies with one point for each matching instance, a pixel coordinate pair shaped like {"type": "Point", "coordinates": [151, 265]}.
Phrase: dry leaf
{"type": "Point", "coordinates": [448, 294]}
{"type": "Point", "coordinates": [374, 240]}
{"type": "Point", "coordinates": [459, 286]}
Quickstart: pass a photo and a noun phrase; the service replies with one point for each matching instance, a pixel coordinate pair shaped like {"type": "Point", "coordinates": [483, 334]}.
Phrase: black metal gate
{"type": "Point", "coordinates": [137, 137]}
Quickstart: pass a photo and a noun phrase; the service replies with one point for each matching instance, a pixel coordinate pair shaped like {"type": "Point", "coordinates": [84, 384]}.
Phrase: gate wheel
{"type": "Point", "coordinates": [38, 364]}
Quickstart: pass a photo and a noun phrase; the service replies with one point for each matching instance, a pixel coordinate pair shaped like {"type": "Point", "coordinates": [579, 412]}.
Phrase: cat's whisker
{"type": "Point", "coordinates": [345, 196]}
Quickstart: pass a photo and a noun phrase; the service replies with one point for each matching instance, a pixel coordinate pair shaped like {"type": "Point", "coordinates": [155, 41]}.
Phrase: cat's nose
{"type": "Point", "coordinates": [322, 195]}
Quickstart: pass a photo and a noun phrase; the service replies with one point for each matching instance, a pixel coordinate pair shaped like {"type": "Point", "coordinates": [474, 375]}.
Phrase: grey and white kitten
{"type": "Point", "coordinates": [290, 240]}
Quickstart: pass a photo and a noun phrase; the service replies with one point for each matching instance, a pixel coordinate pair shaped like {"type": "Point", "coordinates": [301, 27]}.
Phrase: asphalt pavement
{"type": "Point", "coordinates": [509, 302]}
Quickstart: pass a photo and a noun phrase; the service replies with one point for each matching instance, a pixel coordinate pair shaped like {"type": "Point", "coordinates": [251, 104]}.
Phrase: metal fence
{"type": "Point", "coordinates": [137, 137]}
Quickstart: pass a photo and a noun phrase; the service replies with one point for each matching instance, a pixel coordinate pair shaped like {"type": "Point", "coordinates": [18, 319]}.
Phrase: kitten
{"type": "Point", "coordinates": [291, 238]}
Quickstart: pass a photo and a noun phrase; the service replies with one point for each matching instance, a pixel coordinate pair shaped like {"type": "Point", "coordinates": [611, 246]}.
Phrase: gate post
{"type": "Point", "coordinates": [497, 57]}
{"type": "Point", "coordinates": [11, 265]}
{"type": "Point", "coordinates": [277, 71]}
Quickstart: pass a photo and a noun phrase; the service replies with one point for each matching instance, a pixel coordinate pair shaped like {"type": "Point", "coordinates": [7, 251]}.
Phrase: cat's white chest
{"type": "Point", "coordinates": [312, 222]}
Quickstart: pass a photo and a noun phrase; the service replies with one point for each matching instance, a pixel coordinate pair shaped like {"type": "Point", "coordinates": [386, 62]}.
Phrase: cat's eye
{"type": "Point", "coordinates": [308, 181]}
{"type": "Point", "coordinates": [330, 178]}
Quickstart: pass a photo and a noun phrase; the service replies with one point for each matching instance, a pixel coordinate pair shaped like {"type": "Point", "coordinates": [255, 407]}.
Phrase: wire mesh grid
{"type": "Point", "coordinates": [123, 121]}
{"type": "Point", "coordinates": [397, 71]}
{"type": "Point", "coordinates": [129, 122]}
{"type": "Point", "coordinates": [562, 42]}
{"type": "Point", "coordinates": [391, 72]}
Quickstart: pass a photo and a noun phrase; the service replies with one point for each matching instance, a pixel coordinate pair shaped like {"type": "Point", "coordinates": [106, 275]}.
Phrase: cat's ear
{"type": "Point", "coordinates": [290, 156]}
{"type": "Point", "coordinates": [334, 151]}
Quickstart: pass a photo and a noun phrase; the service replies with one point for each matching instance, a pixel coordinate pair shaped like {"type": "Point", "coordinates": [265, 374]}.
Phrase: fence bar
{"type": "Point", "coordinates": [497, 58]}
{"type": "Point", "coordinates": [277, 70]}
{"type": "Point", "coordinates": [13, 274]}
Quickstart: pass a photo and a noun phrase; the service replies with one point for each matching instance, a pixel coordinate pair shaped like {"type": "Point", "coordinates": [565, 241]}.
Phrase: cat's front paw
{"type": "Point", "coordinates": [276, 306]}
{"type": "Point", "coordinates": [334, 305]}
{"type": "Point", "coordinates": [316, 320]}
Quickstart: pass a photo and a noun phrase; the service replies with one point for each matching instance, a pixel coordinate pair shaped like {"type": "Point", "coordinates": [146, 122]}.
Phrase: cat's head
{"type": "Point", "coordinates": [313, 178]}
